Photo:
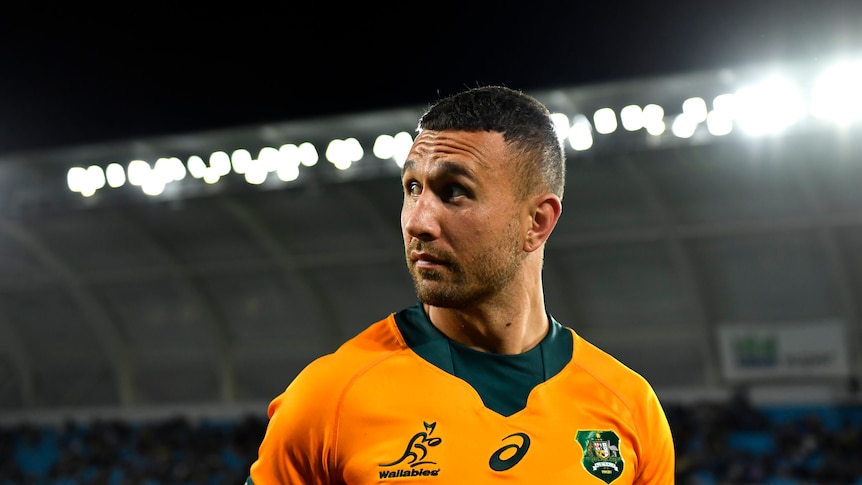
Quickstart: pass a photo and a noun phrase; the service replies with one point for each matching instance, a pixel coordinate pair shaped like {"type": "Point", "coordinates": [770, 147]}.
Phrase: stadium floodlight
{"type": "Point", "coordinates": [220, 163]}
{"type": "Point", "coordinates": [342, 153]}
{"type": "Point", "coordinates": [654, 119]}
{"type": "Point", "coordinates": [384, 147]}
{"type": "Point", "coordinates": [388, 147]}
{"type": "Point", "coordinates": [170, 169]}
{"type": "Point", "coordinates": [336, 154]}
{"type": "Point", "coordinates": [268, 159]}
{"type": "Point", "coordinates": [153, 185]}
{"type": "Point", "coordinates": [196, 166]}
{"type": "Point", "coordinates": [240, 159]}
{"type": "Point", "coordinates": [561, 125]}
{"type": "Point", "coordinates": [79, 180]}
{"type": "Point", "coordinates": [605, 121]}
{"type": "Point", "coordinates": [719, 123]}
{"type": "Point", "coordinates": [137, 172]}
{"type": "Point", "coordinates": [632, 117]}
{"type": "Point", "coordinates": [581, 133]}
{"type": "Point", "coordinates": [836, 94]}
{"type": "Point", "coordinates": [115, 175]}
{"type": "Point", "coordinates": [695, 109]}
{"type": "Point", "coordinates": [256, 174]}
{"type": "Point", "coordinates": [96, 176]}
{"type": "Point", "coordinates": [258, 169]}
{"type": "Point", "coordinates": [288, 163]}
{"type": "Point", "coordinates": [683, 126]}
{"type": "Point", "coordinates": [355, 152]}
{"type": "Point", "coordinates": [403, 143]}
{"type": "Point", "coordinates": [768, 107]}
{"type": "Point", "coordinates": [308, 155]}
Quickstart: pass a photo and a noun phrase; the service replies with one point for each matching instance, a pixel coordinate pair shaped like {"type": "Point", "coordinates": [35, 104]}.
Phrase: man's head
{"type": "Point", "coordinates": [482, 186]}
{"type": "Point", "coordinates": [524, 122]}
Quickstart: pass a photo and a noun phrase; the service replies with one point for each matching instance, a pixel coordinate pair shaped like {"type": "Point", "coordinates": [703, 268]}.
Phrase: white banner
{"type": "Point", "coordinates": [756, 351]}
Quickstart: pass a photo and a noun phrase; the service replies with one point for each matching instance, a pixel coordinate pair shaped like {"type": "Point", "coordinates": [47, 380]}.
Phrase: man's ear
{"type": "Point", "coordinates": [544, 214]}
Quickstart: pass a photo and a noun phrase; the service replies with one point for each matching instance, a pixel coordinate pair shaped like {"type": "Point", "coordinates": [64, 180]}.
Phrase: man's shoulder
{"type": "Point", "coordinates": [329, 375]}
{"type": "Point", "coordinates": [605, 367]}
{"type": "Point", "coordinates": [372, 344]}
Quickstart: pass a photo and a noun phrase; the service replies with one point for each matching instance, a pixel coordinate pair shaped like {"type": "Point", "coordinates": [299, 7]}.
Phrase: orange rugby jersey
{"type": "Point", "coordinates": [402, 404]}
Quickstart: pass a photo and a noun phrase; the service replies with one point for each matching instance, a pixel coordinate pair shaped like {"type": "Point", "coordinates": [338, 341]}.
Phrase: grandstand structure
{"type": "Point", "coordinates": [711, 239]}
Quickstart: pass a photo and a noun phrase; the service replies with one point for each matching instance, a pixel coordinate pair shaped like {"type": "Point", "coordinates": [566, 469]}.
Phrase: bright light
{"type": "Point", "coordinates": [354, 149]}
{"type": "Point", "coordinates": [605, 121]}
{"type": "Point", "coordinates": [403, 144]}
{"type": "Point", "coordinates": [769, 107]}
{"type": "Point", "coordinates": [308, 155]}
{"type": "Point", "coordinates": [654, 119]}
{"type": "Point", "coordinates": [683, 126]}
{"type": "Point", "coordinates": [342, 153]}
{"type": "Point", "coordinates": [76, 180]}
{"type": "Point", "coordinates": [836, 94]}
{"type": "Point", "coordinates": [268, 158]}
{"type": "Point", "coordinates": [336, 154]}
{"type": "Point", "coordinates": [695, 109]}
{"type": "Point", "coordinates": [384, 147]}
{"type": "Point", "coordinates": [115, 174]}
{"type": "Point", "coordinates": [138, 171]}
{"type": "Point", "coordinates": [719, 123]}
{"type": "Point", "coordinates": [289, 153]}
{"type": "Point", "coordinates": [288, 163]}
{"type": "Point", "coordinates": [256, 175]}
{"type": "Point", "coordinates": [561, 125]}
{"type": "Point", "coordinates": [197, 167]}
{"type": "Point", "coordinates": [170, 169]}
{"type": "Point", "coordinates": [632, 117]}
{"type": "Point", "coordinates": [240, 159]}
{"type": "Point", "coordinates": [581, 133]}
{"type": "Point", "coordinates": [154, 185]}
{"type": "Point", "coordinates": [211, 175]}
{"type": "Point", "coordinates": [220, 163]}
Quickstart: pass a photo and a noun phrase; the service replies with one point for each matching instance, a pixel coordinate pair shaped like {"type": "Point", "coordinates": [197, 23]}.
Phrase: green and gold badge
{"type": "Point", "coordinates": [601, 454]}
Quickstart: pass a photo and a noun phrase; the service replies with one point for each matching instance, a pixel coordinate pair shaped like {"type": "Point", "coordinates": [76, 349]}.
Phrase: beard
{"type": "Point", "coordinates": [460, 284]}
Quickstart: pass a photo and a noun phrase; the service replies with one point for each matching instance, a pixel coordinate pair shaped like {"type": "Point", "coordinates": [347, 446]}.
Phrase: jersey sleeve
{"type": "Point", "coordinates": [658, 455]}
{"type": "Point", "coordinates": [298, 443]}
{"type": "Point", "coordinates": [299, 446]}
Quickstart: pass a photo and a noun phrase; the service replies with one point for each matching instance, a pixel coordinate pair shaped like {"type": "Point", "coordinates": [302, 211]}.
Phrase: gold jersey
{"type": "Point", "coordinates": [402, 404]}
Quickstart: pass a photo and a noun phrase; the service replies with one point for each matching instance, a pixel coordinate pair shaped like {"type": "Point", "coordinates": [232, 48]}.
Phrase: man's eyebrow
{"type": "Point", "coordinates": [450, 168]}
{"type": "Point", "coordinates": [408, 165]}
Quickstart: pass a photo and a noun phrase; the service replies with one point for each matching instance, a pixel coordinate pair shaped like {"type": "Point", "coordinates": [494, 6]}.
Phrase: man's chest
{"type": "Point", "coordinates": [409, 436]}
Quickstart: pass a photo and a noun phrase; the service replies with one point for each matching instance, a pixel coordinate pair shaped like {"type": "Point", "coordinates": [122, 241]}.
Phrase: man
{"type": "Point", "coordinates": [477, 383]}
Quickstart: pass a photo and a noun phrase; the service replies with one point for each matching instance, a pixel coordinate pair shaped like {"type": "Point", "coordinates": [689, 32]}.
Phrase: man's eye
{"type": "Point", "coordinates": [454, 190]}
{"type": "Point", "coordinates": [412, 188]}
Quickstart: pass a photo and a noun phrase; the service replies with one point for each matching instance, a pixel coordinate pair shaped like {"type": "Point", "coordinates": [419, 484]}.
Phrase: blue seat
{"type": "Point", "coordinates": [754, 442]}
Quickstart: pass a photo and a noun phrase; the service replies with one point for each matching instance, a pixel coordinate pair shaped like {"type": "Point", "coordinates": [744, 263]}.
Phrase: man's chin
{"type": "Point", "coordinates": [438, 296]}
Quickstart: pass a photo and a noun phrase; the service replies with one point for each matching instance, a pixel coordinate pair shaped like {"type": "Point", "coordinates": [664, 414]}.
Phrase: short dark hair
{"type": "Point", "coordinates": [524, 122]}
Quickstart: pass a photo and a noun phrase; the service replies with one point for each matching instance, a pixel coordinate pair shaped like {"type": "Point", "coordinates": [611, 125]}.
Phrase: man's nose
{"type": "Point", "coordinates": [420, 217]}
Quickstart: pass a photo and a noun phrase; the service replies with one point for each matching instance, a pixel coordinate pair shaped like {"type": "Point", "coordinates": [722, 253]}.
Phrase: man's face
{"type": "Point", "coordinates": [463, 229]}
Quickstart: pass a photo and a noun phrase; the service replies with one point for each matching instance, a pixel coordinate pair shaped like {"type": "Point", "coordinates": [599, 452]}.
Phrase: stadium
{"type": "Point", "coordinates": [155, 293]}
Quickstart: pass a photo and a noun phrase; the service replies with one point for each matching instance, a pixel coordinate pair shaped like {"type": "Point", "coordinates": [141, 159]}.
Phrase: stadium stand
{"type": "Point", "coordinates": [729, 442]}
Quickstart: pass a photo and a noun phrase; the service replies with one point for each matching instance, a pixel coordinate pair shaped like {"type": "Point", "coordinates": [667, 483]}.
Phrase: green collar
{"type": "Point", "coordinates": [503, 381]}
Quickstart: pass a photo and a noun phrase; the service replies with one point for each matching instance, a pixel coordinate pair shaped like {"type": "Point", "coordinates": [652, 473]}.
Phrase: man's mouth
{"type": "Point", "coordinates": [422, 259]}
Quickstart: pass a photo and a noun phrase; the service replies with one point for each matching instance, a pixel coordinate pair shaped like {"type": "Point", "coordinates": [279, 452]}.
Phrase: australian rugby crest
{"type": "Point", "coordinates": [602, 456]}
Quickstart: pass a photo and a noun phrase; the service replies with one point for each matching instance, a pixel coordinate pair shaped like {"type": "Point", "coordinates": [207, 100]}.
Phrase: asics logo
{"type": "Point", "coordinates": [509, 455]}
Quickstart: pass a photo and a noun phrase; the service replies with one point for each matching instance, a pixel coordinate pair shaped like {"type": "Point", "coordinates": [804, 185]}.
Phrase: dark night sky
{"type": "Point", "coordinates": [71, 82]}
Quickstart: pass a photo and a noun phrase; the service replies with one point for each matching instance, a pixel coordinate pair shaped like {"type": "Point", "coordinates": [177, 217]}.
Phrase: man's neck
{"type": "Point", "coordinates": [508, 329]}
